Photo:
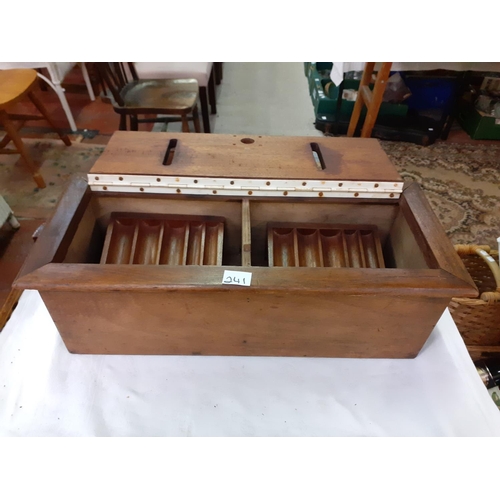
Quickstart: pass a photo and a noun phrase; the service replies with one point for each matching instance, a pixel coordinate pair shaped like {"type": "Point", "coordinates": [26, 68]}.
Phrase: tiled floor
{"type": "Point", "coordinates": [254, 98]}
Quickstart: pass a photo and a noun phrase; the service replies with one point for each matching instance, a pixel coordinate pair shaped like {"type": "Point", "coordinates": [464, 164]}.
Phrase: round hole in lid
{"type": "Point", "coordinates": [141, 189]}
{"type": "Point", "coordinates": [376, 185]}
{"type": "Point", "coordinates": [356, 194]}
{"type": "Point", "coordinates": [120, 178]}
{"type": "Point", "coordinates": [268, 183]}
{"type": "Point", "coordinates": [158, 179]}
{"type": "Point", "coordinates": [105, 188]}
{"type": "Point", "coordinates": [340, 184]}
{"type": "Point", "coordinates": [214, 191]}
{"type": "Point", "coordinates": [96, 178]}
{"type": "Point", "coordinates": [391, 195]}
{"type": "Point", "coordinates": [247, 140]}
{"type": "Point", "coordinates": [232, 182]}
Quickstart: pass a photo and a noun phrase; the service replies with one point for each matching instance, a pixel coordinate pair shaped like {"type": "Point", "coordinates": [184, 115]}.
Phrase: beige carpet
{"type": "Point", "coordinates": [57, 164]}
{"type": "Point", "coordinates": [461, 182]}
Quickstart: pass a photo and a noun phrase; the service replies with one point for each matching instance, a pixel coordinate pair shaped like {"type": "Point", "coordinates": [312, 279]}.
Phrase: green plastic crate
{"type": "Point", "coordinates": [477, 124]}
{"type": "Point", "coordinates": [325, 103]}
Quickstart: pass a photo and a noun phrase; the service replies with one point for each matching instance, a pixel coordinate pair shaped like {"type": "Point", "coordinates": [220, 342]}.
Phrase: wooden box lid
{"type": "Point", "coordinates": [245, 165]}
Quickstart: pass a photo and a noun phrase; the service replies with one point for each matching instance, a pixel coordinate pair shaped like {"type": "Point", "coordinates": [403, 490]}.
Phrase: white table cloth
{"type": "Point", "coordinates": [45, 391]}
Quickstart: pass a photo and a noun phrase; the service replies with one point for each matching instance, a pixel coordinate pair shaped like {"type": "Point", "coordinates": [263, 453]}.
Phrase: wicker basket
{"type": "Point", "coordinates": [478, 320]}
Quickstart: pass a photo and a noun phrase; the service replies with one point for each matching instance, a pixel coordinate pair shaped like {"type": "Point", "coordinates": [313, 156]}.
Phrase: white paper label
{"type": "Point", "coordinates": [236, 278]}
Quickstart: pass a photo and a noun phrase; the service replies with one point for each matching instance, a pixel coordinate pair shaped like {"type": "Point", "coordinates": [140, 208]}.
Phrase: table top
{"type": "Point", "coordinates": [46, 391]}
{"type": "Point", "coordinates": [14, 83]}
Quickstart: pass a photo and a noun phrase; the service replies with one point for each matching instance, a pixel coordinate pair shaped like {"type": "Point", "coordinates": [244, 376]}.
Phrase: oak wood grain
{"type": "Point", "coordinates": [246, 234]}
{"type": "Point", "coordinates": [55, 239]}
{"type": "Point", "coordinates": [431, 237]}
{"type": "Point", "coordinates": [228, 156]}
{"type": "Point", "coordinates": [284, 323]}
{"type": "Point", "coordinates": [94, 277]}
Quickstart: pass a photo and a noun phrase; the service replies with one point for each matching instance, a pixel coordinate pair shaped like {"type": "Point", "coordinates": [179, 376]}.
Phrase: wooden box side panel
{"type": "Point", "coordinates": [401, 249]}
{"type": "Point", "coordinates": [431, 237]}
{"type": "Point", "coordinates": [249, 323]}
{"type": "Point", "coordinates": [87, 242]}
{"type": "Point", "coordinates": [55, 239]}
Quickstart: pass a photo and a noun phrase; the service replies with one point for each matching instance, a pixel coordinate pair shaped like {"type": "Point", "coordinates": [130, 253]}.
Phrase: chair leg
{"type": "Point", "coordinates": [10, 129]}
{"type": "Point", "coordinates": [45, 114]}
{"type": "Point", "coordinates": [204, 110]}
{"type": "Point", "coordinates": [185, 123]}
{"type": "Point", "coordinates": [211, 92]}
{"type": "Point", "coordinates": [196, 120]}
{"type": "Point", "coordinates": [218, 72]}
{"type": "Point", "coordinates": [134, 124]}
{"type": "Point", "coordinates": [123, 122]}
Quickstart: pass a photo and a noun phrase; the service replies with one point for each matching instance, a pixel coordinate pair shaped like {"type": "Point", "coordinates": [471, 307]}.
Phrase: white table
{"type": "Point", "coordinates": [45, 391]}
{"type": "Point", "coordinates": [57, 71]}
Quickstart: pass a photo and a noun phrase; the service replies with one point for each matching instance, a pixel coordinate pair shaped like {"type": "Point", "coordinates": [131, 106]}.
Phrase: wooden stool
{"type": "Point", "coordinates": [14, 85]}
{"type": "Point", "coordinates": [372, 100]}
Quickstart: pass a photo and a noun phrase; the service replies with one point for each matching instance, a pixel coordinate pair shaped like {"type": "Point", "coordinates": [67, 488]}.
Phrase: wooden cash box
{"type": "Point", "coordinates": [344, 260]}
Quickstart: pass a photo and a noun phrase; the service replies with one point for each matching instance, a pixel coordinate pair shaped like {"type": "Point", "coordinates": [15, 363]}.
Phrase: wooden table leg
{"type": "Point", "coordinates": [358, 106]}
{"type": "Point", "coordinates": [7, 137]}
{"type": "Point", "coordinates": [11, 131]}
{"type": "Point", "coordinates": [196, 120]}
{"type": "Point", "coordinates": [40, 106]}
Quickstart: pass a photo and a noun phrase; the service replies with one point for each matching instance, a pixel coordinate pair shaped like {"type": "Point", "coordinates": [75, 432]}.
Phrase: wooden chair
{"type": "Point", "coordinates": [134, 97]}
{"type": "Point", "coordinates": [15, 84]}
{"type": "Point", "coordinates": [207, 74]}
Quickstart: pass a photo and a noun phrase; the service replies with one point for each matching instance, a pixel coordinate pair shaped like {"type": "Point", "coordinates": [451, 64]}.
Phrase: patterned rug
{"type": "Point", "coordinates": [461, 182]}
{"type": "Point", "coordinates": [57, 163]}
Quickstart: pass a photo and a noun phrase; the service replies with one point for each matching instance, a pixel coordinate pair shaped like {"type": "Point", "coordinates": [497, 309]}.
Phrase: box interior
{"type": "Point", "coordinates": [245, 240]}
